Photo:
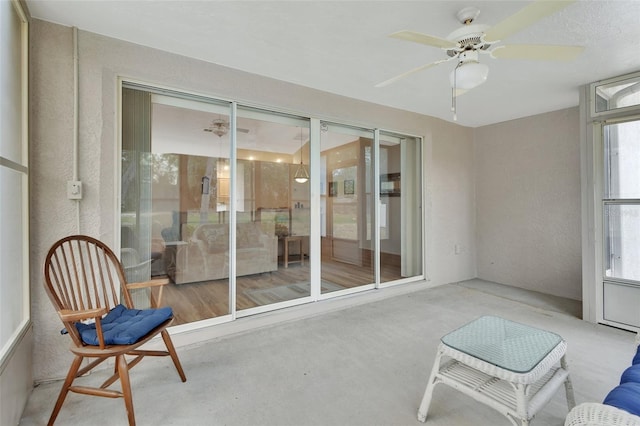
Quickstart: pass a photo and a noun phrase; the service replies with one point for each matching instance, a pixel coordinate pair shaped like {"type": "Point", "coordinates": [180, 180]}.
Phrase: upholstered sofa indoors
{"type": "Point", "coordinates": [204, 256]}
{"type": "Point", "coordinates": [620, 407]}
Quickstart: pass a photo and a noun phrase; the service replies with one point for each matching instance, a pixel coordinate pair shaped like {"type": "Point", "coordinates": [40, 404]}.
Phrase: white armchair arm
{"type": "Point", "coordinates": [595, 414]}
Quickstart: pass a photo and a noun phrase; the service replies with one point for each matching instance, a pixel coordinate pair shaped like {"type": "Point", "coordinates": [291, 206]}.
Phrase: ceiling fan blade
{"type": "Point", "coordinates": [523, 18]}
{"type": "Point", "coordinates": [408, 73]}
{"type": "Point", "coordinates": [538, 52]}
{"type": "Point", "coordinates": [424, 39]}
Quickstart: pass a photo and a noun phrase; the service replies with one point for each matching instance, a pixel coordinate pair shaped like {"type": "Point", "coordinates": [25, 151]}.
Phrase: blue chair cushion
{"type": "Point", "coordinates": [631, 374]}
{"type": "Point", "coordinates": [122, 326]}
{"type": "Point", "coordinates": [636, 358]}
{"type": "Point", "coordinates": [625, 397]}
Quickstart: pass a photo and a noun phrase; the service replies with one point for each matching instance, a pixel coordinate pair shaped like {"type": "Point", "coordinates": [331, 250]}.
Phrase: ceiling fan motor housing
{"type": "Point", "coordinates": [469, 37]}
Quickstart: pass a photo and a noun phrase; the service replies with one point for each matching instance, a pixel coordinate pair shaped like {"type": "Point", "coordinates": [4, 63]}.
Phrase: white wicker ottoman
{"type": "Point", "coordinates": [508, 366]}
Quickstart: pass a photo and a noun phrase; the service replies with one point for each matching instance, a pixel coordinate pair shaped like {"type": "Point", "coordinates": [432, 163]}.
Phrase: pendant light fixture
{"type": "Point", "coordinates": [301, 175]}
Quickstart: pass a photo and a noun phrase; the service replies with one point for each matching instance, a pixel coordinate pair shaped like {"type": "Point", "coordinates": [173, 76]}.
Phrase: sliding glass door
{"type": "Point", "coordinates": [175, 195]}
{"type": "Point", "coordinates": [272, 210]}
{"type": "Point", "coordinates": [400, 207]}
{"type": "Point", "coordinates": [347, 234]}
{"type": "Point", "coordinates": [218, 198]}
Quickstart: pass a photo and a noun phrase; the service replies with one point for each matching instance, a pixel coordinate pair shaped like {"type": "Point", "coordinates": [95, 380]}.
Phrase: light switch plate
{"type": "Point", "coordinates": [74, 189]}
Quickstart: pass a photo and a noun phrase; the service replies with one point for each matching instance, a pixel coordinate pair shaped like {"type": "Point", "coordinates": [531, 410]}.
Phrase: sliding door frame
{"type": "Point", "coordinates": [315, 125]}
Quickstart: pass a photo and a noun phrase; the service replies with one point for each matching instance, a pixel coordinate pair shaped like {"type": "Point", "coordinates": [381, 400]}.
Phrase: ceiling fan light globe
{"type": "Point", "coordinates": [469, 75]}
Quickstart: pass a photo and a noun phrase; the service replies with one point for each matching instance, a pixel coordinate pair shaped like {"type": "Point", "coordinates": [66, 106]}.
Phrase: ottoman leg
{"type": "Point", "coordinates": [568, 387]}
{"type": "Point", "coordinates": [428, 393]}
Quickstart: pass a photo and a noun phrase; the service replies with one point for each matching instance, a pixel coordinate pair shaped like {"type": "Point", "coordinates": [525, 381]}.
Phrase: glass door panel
{"type": "Point", "coordinates": [174, 219]}
{"type": "Point", "coordinates": [347, 257]}
{"type": "Point", "coordinates": [621, 201]}
{"type": "Point", "coordinates": [400, 206]}
{"type": "Point", "coordinates": [273, 210]}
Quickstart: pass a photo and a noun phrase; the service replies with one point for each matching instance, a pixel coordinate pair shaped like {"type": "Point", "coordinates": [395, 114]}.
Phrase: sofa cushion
{"type": "Point", "coordinates": [248, 235]}
{"type": "Point", "coordinates": [631, 374]}
{"type": "Point", "coordinates": [625, 397]}
{"type": "Point", "coordinates": [216, 237]}
{"type": "Point", "coordinates": [122, 326]}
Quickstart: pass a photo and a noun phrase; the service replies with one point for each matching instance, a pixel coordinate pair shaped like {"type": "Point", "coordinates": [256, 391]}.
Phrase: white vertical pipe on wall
{"type": "Point", "coordinates": [76, 121]}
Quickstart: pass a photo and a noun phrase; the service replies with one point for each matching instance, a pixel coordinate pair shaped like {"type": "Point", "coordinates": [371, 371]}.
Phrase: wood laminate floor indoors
{"type": "Point", "coordinates": [209, 299]}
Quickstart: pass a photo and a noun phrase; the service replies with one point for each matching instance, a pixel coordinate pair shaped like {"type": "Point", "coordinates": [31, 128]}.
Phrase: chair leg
{"type": "Point", "coordinates": [172, 352]}
{"type": "Point", "coordinates": [123, 372]}
{"type": "Point", "coordinates": [71, 375]}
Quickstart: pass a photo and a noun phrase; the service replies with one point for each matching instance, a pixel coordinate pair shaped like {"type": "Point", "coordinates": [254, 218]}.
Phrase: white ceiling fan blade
{"type": "Point", "coordinates": [538, 52]}
{"type": "Point", "coordinates": [415, 70]}
{"type": "Point", "coordinates": [424, 39]}
{"type": "Point", "coordinates": [523, 18]}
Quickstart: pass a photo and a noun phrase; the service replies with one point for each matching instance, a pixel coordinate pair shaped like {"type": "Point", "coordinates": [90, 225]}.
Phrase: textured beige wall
{"type": "Point", "coordinates": [448, 152]}
{"type": "Point", "coordinates": [453, 210]}
{"type": "Point", "coordinates": [528, 203]}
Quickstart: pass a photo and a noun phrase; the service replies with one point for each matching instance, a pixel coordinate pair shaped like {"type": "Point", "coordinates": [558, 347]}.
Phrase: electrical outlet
{"type": "Point", "coordinates": [74, 190]}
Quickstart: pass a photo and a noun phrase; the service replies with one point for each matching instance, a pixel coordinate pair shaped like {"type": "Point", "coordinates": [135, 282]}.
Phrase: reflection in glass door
{"type": "Point", "coordinates": [347, 251]}
{"type": "Point", "coordinates": [217, 198]}
{"type": "Point", "coordinates": [212, 214]}
{"type": "Point", "coordinates": [272, 213]}
{"type": "Point", "coordinates": [400, 207]}
{"type": "Point", "coordinates": [175, 192]}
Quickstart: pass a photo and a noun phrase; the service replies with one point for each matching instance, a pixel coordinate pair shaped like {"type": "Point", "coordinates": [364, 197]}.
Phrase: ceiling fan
{"type": "Point", "coordinates": [467, 43]}
{"type": "Point", "coordinates": [220, 127]}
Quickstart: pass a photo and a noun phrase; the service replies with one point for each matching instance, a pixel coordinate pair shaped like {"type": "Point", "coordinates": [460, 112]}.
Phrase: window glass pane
{"type": "Point", "coordinates": [616, 95]}
{"type": "Point", "coordinates": [10, 84]}
{"type": "Point", "coordinates": [12, 247]}
{"type": "Point", "coordinates": [175, 198]}
{"type": "Point", "coordinates": [622, 160]}
{"type": "Point", "coordinates": [14, 274]}
{"type": "Point", "coordinates": [622, 241]}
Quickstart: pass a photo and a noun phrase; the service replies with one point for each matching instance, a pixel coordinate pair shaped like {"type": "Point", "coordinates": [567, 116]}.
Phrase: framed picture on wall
{"type": "Point", "coordinates": [390, 185]}
{"type": "Point", "coordinates": [349, 187]}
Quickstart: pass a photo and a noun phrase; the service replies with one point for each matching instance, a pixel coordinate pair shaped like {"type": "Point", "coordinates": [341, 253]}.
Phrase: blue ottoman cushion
{"type": "Point", "coordinates": [122, 326]}
{"type": "Point", "coordinates": [625, 397]}
{"type": "Point", "coordinates": [631, 374]}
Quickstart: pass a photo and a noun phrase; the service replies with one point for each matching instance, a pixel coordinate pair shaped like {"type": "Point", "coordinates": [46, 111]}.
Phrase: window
{"type": "Point", "coordinates": [14, 183]}
{"type": "Point", "coordinates": [615, 94]}
{"type": "Point", "coordinates": [615, 104]}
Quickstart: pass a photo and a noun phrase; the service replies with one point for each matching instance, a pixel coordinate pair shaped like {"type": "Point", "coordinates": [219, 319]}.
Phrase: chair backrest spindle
{"type": "Point", "coordinates": [84, 274]}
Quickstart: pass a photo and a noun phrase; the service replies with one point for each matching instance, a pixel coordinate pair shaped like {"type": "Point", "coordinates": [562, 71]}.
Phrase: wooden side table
{"type": "Point", "coordinates": [295, 239]}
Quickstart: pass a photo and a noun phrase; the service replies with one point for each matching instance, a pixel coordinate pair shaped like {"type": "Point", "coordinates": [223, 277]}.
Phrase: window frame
{"type": "Point", "coordinates": [21, 166]}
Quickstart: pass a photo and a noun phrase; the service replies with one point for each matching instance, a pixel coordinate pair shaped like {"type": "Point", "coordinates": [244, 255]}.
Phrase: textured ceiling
{"type": "Point", "coordinates": [343, 47]}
